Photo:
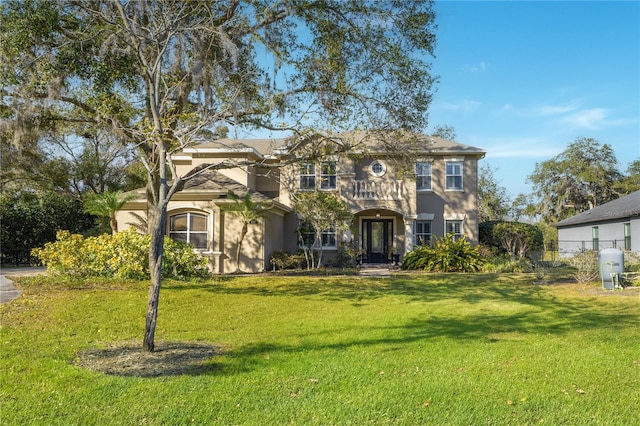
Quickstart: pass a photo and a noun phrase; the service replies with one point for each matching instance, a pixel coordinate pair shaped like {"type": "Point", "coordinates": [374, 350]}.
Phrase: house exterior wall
{"type": "Point", "coordinates": [390, 196]}
{"type": "Point", "coordinates": [578, 238]}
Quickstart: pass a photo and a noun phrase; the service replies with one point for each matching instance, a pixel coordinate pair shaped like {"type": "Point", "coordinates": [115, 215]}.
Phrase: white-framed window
{"type": "Point", "coordinates": [307, 176]}
{"type": "Point", "coordinates": [423, 175]}
{"type": "Point", "coordinates": [377, 168]}
{"type": "Point", "coordinates": [328, 237]}
{"type": "Point", "coordinates": [453, 175]}
{"type": "Point", "coordinates": [328, 175]}
{"type": "Point", "coordinates": [189, 228]}
{"type": "Point", "coordinates": [454, 227]}
{"type": "Point", "coordinates": [422, 232]}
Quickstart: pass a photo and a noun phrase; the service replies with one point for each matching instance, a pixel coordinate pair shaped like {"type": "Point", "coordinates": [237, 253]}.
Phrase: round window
{"type": "Point", "coordinates": [378, 168]}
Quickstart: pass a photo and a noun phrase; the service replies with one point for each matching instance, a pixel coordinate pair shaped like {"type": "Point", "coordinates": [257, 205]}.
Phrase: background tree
{"type": "Point", "coordinates": [631, 181]}
{"type": "Point", "coordinates": [493, 200]}
{"type": "Point", "coordinates": [249, 212]}
{"type": "Point", "coordinates": [581, 177]}
{"type": "Point", "coordinates": [30, 220]}
{"type": "Point", "coordinates": [320, 211]}
{"type": "Point", "coordinates": [445, 132]}
{"type": "Point", "coordinates": [158, 73]}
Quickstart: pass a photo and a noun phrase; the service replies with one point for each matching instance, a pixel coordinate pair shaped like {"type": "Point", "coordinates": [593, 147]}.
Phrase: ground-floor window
{"type": "Point", "coordinates": [328, 237]}
{"type": "Point", "coordinates": [627, 236]}
{"type": "Point", "coordinates": [189, 228]}
{"type": "Point", "coordinates": [422, 232]}
{"type": "Point", "coordinates": [454, 227]}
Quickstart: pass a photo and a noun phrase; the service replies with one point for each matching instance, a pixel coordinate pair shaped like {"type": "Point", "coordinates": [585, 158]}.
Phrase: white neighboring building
{"type": "Point", "coordinates": [614, 224]}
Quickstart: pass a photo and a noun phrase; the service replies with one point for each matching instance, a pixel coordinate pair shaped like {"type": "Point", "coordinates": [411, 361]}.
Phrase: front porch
{"type": "Point", "coordinates": [382, 236]}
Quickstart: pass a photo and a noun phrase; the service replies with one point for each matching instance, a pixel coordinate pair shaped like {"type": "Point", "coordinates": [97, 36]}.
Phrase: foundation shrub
{"type": "Point", "coordinates": [281, 260]}
{"type": "Point", "coordinates": [445, 255]}
{"type": "Point", "coordinates": [124, 255]}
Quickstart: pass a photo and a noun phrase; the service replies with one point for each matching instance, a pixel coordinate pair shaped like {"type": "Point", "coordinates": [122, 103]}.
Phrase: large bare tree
{"type": "Point", "coordinates": [160, 73]}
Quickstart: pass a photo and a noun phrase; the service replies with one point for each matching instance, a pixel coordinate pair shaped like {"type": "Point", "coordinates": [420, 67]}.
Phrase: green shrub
{"type": "Point", "coordinates": [505, 265]}
{"type": "Point", "coordinates": [281, 260]}
{"type": "Point", "coordinates": [446, 255]}
{"type": "Point", "coordinates": [513, 238]}
{"type": "Point", "coordinates": [124, 255]}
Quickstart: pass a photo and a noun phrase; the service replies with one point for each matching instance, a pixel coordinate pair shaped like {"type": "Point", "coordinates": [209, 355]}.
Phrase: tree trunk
{"type": "Point", "coordinates": [156, 249]}
{"type": "Point", "coordinates": [114, 225]}
{"type": "Point", "coordinates": [239, 248]}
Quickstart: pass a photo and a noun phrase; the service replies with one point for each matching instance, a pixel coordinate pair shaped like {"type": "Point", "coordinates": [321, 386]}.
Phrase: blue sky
{"type": "Point", "coordinates": [522, 80]}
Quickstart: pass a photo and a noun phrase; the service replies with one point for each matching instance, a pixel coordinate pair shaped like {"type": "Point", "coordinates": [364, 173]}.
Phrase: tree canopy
{"type": "Point", "coordinates": [581, 177]}
{"type": "Point", "coordinates": [159, 74]}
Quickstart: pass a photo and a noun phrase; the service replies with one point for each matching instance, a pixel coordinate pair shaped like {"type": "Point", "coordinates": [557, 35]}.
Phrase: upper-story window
{"type": "Point", "coordinates": [307, 176]}
{"type": "Point", "coordinates": [423, 176]}
{"type": "Point", "coordinates": [454, 175]}
{"type": "Point", "coordinates": [189, 228]}
{"type": "Point", "coordinates": [328, 175]}
{"type": "Point", "coordinates": [377, 168]}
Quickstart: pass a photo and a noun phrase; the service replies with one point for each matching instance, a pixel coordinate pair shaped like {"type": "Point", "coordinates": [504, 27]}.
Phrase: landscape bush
{"type": "Point", "coordinates": [445, 255]}
{"type": "Point", "coordinates": [585, 265]}
{"type": "Point", "coordinates": [518, 240]}
{"type": "Point", "coordinates": [124, 255]}
{"type": "Point", "coordinates": [281, 260]}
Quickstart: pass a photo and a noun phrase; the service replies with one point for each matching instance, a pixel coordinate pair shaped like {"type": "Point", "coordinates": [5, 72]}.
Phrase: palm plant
{"type": "Point", "coordinates": [107, 205]}
{"type": "Point", "coordinates": [249, 212]}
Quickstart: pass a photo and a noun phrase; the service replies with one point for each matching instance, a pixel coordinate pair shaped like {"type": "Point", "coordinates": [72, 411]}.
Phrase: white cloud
{"type": "Point", "coordinates": [546, 110]}
{"type": "Point", "coordinates": [481, 67]}
{"type": "Point", "coordinates": [466, 105]}
{"type": "Point", "coordinates": [596, 118]}
{"type": "Point", "coordinates": [587, 118]}
{"type": "Point", "coordinates": [523, 147]}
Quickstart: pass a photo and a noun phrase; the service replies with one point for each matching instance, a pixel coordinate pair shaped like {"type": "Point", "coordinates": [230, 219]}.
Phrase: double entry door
{"type": "Point", "coordinates": [377, 240]}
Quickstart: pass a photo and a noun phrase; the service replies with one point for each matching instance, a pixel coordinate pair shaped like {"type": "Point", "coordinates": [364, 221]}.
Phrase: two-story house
{"type": "Point", "coordinates": [399, 198]}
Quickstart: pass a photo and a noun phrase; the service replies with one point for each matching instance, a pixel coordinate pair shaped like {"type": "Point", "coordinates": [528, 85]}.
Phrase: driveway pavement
{"type": "Point", "coordinates": [8, 292]}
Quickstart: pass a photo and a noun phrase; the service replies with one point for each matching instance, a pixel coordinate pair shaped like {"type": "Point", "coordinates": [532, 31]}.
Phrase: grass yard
{"type": "Point", "coordinates": [411, 349]}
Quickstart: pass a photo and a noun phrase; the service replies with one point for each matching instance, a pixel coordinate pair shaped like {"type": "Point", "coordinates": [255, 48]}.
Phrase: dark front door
{"type": "Point", "coordinates": [377, 239]}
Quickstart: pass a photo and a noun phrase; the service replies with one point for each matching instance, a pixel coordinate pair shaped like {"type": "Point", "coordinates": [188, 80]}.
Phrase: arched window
{"type": "Point", "coordinates": [189, 228]}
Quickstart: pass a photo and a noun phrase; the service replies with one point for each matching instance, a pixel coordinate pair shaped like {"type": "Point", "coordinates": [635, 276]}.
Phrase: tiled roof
{"type": "Point", "coordinates": [623, 207]}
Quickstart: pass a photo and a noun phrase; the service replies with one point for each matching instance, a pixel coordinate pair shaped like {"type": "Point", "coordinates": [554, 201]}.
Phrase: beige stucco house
{"type": "Point", "coordinates": [399, 197]}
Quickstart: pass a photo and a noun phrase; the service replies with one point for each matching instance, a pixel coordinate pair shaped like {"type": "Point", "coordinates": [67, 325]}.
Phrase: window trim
{"type": "Point", "coordinates": [429, 175]}
{"type": "Point", "coordinates": [627, 236]}
{"type": "Point", "coordinates": [188, 232]}
{"type": "Point", "coordinates": [454, 175]}
{"type": "Point", "coordinates": [309, 176]}
{"type": "Point", "coordinates": [318, 239]}
{"type": "Point", "coordinates": [326, 177]}
{"type": "Point", "coordinates": [381, 172]}
{"type": "Point", "coordinates": [456, 235]}
{"type": "Point", "coordinates": [416, 234]}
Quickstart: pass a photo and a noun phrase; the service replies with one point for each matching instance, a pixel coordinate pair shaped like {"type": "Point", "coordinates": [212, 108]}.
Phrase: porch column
{"type": "Point", "coordinates": [408, 234]}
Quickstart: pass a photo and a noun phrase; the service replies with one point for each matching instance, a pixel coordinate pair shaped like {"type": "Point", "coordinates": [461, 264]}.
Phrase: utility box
{"type": "Point", "coordinates": [610, 264]}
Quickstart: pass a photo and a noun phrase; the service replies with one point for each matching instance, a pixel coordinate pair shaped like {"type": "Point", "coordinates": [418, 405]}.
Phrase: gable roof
{"type": "Point", "coordinates": [623, 207]}
{"type": "Point", "coordinates": [214, 184]}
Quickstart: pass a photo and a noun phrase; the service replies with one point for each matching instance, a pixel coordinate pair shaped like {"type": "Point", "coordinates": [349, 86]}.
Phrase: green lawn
{"type": "Point", "coordinates": [412, 349]}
